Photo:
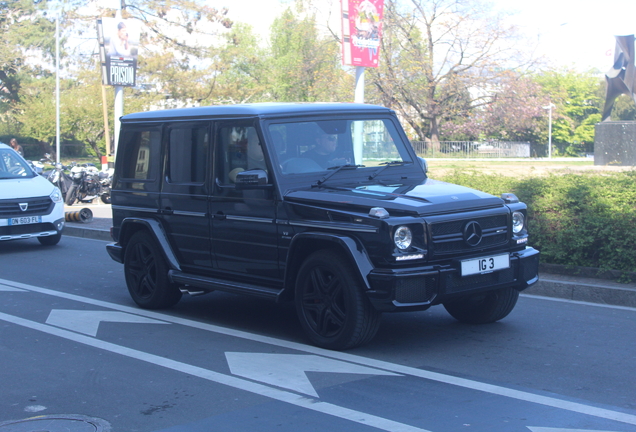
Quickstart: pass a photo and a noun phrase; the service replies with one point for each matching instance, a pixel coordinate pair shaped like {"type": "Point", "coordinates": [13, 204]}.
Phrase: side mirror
{"type": "Point", "coordinates": [251, 179]}
{"type": "Point", "coordinates": [423, 163]}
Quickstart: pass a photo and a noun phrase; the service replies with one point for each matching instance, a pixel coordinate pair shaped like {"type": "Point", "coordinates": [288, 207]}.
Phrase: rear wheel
{"type": "Point", "coordinates": [105, 198]}
{"type": "Point", "coordinates": [484, 308]}
{"type": "Point", "coordinates": [331, 305]}
{"type": "Point", "coordinates": [146, 274]}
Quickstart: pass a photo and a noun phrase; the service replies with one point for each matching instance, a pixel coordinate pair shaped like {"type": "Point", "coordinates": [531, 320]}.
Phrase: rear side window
{"type": "Point", "coordinates": [140, 148]}
{"type": "Point", "coordinates": [140, 155]}
{"type": "Point", "coordinates": [187, 153]}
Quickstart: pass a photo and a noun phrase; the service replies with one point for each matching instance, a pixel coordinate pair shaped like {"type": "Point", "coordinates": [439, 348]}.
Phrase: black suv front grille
{"type": "Point", "coordinates": [35, 206]}
{"type": "Point", "coordinates": [448, 237]}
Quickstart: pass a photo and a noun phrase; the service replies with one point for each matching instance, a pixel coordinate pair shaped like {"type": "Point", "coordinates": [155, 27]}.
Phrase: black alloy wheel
{"type": "Point", "coordinates": [331, 305]}
{"type": "Point", "coordinates": [146, 274]}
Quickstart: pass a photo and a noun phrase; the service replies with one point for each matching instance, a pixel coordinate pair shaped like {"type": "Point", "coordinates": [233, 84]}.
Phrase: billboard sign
{"type": "Point", "coordinates": [118, 45]}
{"type": "Point", "coordinates": [361, 31]}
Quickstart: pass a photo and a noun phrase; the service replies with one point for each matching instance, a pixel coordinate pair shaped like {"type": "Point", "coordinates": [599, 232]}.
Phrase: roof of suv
{"type": "Point", "coordinates": [256, 110]}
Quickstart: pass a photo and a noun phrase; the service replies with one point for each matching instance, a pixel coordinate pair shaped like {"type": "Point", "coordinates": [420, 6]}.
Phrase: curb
{"type": "Point", "coordinates": [88, 233]}
{"type": "Point", "coordinates": [587, 290]}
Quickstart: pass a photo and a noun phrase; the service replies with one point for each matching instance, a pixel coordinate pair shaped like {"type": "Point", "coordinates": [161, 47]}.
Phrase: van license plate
{"type": "Point", "coordinates": [25, 220]}
{"type": "Point", "coordinates": [485, 264]}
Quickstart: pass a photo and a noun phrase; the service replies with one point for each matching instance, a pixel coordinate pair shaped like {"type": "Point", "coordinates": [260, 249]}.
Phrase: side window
{"type": "Point", "coordinates": [187, 153]}
{"type": "Point", "coordinates": [240, 149]}
{"type": "Point", "coordinates": [140, 155]}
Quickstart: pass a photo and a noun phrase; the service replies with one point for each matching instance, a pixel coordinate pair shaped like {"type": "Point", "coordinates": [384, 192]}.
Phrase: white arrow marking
{"type": "Point", "coordinates": [9, 288]}
{"type": "Point", "coordinates": [87, 322]}
{"type": "Point", "coordinates": [288, 370]}
{"type": "Point", "coordinates": [548, 429]}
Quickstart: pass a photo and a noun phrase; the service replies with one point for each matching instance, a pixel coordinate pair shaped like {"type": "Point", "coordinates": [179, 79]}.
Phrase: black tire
{"type": "Point", "coordinates": [71, 195]}
{"type": "Point", "coordinates": [50, 240]}
{"type": "Point", "coordinates": [484, 308]}
{"type": "Point", "coordinates": [105, 198]}
{"type": "Point", "coordinates": [146, 273]}
{"type": "Point", "coordinates": [331, 305]}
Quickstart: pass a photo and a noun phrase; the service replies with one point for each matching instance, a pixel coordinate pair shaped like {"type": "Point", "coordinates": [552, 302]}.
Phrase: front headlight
{"type": "Point", "coordinates": [56, 195]}
{"type": "Point", "coordinates": [518, 222]}
{"type": "Point", "coordinates": [403, 237]}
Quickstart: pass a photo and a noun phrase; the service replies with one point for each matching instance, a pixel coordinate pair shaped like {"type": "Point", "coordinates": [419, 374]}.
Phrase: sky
{"type": "Point", "coordinates": [570, 33]}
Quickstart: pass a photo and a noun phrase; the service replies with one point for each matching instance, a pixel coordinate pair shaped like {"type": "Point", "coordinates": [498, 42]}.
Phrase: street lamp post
{"type": "Point", "coordinates": [549, 108]}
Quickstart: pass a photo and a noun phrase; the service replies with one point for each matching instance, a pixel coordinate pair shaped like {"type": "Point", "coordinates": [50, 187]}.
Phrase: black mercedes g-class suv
{"type": "Point", "coordinates": [323, 204]}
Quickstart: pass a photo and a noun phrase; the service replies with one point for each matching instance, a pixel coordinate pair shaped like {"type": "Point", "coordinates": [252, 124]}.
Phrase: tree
{"type": "Point", "coordinates": [441, 59]}
{"type": "Point", "coordinates": [577, 102]}
{"type": "Point", "coordinates": [516, 113]}
{"type": "Point", "coordinates": [23, 27]}
{"type": "Point", "coordinates": [304, 66]}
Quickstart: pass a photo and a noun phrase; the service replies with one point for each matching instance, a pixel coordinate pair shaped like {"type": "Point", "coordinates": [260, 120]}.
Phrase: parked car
{"type": "Point", "coordinates": [30, 206]}
{"type": "Point", "coordinates": [290, 202]}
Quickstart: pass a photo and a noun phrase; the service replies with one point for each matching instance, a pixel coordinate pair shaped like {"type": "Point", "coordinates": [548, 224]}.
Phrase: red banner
{"type": "Point", "coordinates": [361, 31]}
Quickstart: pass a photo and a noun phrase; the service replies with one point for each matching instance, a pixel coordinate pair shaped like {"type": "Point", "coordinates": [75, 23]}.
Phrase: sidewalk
{"type": "Point", "coordinates": [554, 281]}
{"type": "Point", "coordinates": [98, 228]}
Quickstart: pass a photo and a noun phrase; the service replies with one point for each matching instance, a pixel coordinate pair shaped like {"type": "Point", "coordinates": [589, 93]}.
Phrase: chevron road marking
{"type": "Point", "coordinates": [351, 358]}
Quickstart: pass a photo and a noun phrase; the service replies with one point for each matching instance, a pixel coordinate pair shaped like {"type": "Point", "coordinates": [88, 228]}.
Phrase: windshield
{"type": "Point", "coordinates": [13, 166]}
{"type": "Point", "coordinates": [314, 146]}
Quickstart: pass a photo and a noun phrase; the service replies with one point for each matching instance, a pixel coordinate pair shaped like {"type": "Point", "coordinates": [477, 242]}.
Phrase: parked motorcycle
{"type": "Point", "coordinates": [57, 175]}
{"type": "Point", "coordinates": [87, 184]}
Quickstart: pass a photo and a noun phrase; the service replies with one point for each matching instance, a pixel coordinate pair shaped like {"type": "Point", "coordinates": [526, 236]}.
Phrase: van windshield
{"type": "Point", "coordinates": [13, 166]}
{"type": "Point", "coordinates": [303, 146]}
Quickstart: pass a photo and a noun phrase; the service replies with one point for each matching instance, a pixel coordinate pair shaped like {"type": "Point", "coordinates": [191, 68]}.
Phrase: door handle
{"type": "Point", "coordinates": [219, 216]}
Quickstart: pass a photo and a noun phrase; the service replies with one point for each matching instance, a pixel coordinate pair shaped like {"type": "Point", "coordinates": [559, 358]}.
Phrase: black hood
{"type": "Point", "coordinates": [426, 198]}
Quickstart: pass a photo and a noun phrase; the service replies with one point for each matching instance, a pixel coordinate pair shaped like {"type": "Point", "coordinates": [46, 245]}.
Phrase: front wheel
{"type": "Point", "coordinates": [484, 308]}
{"type": "Point", "coordinates": [50, 240]}
{"type": "Point", "coordinates": [331, 305]}
{"type": "Point", "coordinates": [105, 198]}
{"type": "Point", "coordinates": [71, 195]}
{"type": "Point", "coordinates": [146, 274]}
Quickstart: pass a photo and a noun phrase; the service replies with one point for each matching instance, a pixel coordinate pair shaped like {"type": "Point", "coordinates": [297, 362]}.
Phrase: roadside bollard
{"type": "Point", "coordinates": [84, 215]}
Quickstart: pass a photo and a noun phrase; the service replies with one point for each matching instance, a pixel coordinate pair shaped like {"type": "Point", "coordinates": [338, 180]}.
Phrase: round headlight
{"type": "Point", "coordinates": [518, 221]}
{"type": "Point", "coordinates": [403, 237]}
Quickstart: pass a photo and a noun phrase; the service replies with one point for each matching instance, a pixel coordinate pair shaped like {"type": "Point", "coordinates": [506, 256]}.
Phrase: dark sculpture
{"type": "Point", "coordinates": [621, 78]}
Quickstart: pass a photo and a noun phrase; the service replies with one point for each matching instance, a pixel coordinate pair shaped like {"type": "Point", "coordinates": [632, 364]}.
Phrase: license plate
{"type": "Point", "coordinates": [25, 220]}
{"type": "Point", "coordinates": [485, 264]}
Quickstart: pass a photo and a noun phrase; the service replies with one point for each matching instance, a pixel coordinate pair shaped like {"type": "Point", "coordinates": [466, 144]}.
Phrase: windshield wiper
{"type": "Point", "coordinates": [384, 166]}
{"type": "Point", "coordinates": [335, 170]}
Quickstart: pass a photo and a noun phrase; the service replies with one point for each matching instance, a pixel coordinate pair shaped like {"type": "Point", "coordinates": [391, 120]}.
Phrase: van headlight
{"type": "Point", "coordinates": [403, 237]}
{"type": "Point", "coordinates": [56, 195]}
{"type": "Point", "coordinates": [518, 222]}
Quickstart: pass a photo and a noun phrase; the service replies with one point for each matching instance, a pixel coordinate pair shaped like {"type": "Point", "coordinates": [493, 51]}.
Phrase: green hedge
{"type": "Point", "coordinates": [586, 219]}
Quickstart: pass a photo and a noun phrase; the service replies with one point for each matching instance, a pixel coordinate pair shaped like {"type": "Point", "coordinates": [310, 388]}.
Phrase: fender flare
{"type": "Point", "coordinates": [352, 248]}
{"type": "Point", "coordinates": [130, 225]}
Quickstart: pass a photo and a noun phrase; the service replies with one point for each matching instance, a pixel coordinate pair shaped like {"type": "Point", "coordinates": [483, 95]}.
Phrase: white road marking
{"type": "Point", "coordinates": [238, 383]}
{"type": "Point", "coordinates": [548, 429]}
{"type": "Point", "coordinates": [288, 370]}
{"type": "Point", "coordinates": [87, 322]}
{"type": "Point", "coordinates": [379, 364]}
{"type": "Point", "coordinates": [579, 302]}
{"type": "Point", "coordinates": [9, 288]}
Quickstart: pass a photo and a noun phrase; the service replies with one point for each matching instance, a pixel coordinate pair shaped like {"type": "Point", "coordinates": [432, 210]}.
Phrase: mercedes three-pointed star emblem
{"type": "Point", "coordinates": [472, 233]}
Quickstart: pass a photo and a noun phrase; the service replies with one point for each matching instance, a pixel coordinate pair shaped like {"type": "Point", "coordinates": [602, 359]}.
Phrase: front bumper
{"type": "Point", "coordinates": [116, 252]}
{"type": "Point", "coordinates": [419, 288]}
{"type": "Point", "coordinates": [43, 229]}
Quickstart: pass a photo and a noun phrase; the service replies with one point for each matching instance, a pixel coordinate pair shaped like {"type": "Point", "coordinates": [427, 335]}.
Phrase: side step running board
{"type": "Point", "coordinates": [211, 284]}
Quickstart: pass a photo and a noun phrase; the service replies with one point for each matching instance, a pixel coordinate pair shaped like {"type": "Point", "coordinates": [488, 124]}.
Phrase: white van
{"type": "Point", "coordinates": [30, 205]}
